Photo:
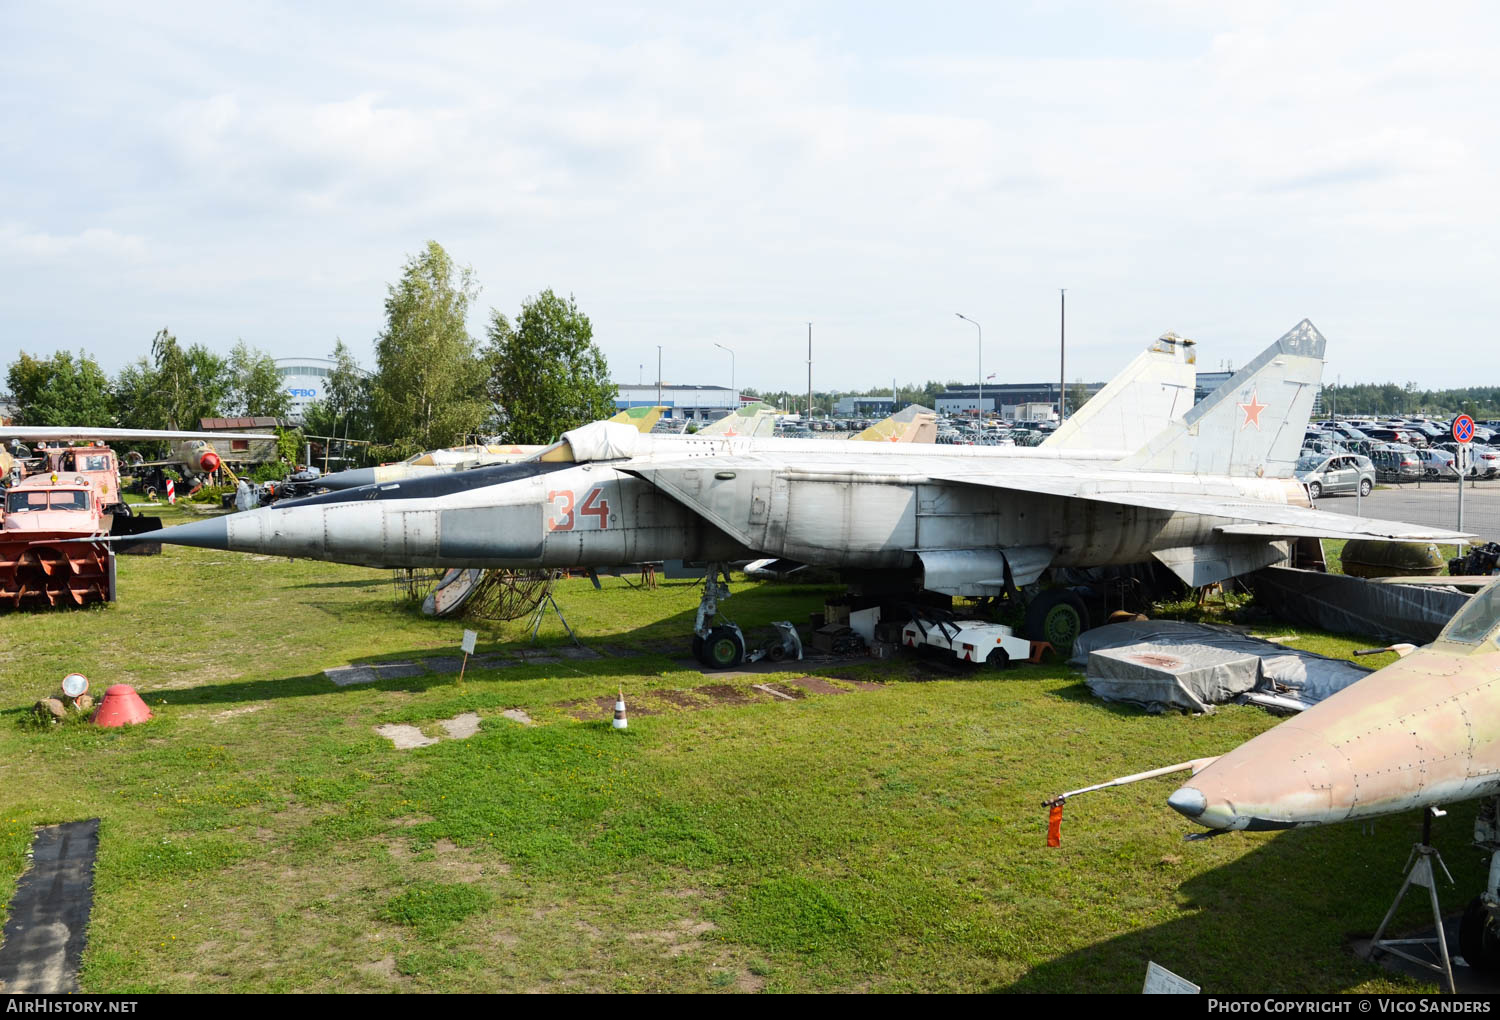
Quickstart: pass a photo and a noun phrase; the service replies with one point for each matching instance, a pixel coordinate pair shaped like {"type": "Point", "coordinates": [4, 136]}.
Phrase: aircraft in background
{"type": "Point", "coordinates": [1421, 733]}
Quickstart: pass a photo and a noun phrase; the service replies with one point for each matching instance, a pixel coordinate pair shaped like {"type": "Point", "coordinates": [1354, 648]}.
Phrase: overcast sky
{"type": "Point", "coordinates": [695, 175]}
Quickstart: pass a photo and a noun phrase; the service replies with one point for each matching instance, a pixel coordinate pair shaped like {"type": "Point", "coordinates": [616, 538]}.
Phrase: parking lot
{"type": "Point", "coordinates": [1433, 504]}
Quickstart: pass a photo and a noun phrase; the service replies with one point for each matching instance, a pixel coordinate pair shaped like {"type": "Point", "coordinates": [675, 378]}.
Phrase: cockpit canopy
{"type": "Point", "coordinates": [1478, 622]}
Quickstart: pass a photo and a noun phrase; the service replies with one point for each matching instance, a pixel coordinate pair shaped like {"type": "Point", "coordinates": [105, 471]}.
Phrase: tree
{"type": "Point", "coordinates": [547, 373]}
{"type": "Point", "coordinates": [190, 384]}
{"type": "Point", "coordinates": [345, 409]}
{"type": "Point", "coordinates": [254, 387]}
{"type": "Point", "coordinates": [428, 390]}
{"type": "Point", "coordinates": [60, 390]}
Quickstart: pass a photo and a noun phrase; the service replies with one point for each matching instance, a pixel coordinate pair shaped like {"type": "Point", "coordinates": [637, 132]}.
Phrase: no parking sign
{"type": "Point", "coordinates": [1463, 429]}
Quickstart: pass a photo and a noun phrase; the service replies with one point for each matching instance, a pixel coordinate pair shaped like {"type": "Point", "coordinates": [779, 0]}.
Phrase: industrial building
{"type": "Point", "coordinates": [696, 403]}
{"type": "Point", "coordinates": [1006, 399]}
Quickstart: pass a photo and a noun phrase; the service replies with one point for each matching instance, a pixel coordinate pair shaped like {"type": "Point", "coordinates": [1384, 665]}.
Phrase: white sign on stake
{"type": "Point", "coordinates": [469, 638]}
{"type": "Point", "coordinates": [1160, 981]}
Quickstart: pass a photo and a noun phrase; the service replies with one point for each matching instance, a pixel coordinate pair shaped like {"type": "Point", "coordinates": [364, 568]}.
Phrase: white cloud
{"type": "Point", "coordinates": [1220, 169]}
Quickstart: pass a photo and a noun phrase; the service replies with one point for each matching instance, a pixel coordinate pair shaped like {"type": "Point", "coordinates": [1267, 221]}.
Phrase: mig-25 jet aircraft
{"type": "Point", "coordinates": [1210, 496]}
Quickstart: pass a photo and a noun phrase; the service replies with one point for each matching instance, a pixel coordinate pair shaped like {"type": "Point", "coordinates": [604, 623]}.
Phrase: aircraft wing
{"type": "Point", "coordinates": [31, 434]}
{"type": "Point", "coordinates": [1244, 518]}
{"type": "Point", "coordinates": [1250, 518]}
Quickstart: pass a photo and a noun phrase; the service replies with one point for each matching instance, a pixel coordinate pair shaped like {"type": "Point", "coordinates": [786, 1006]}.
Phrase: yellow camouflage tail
{"type": "Point", "coordinates": [758, 419]}
{"type": "Point", "coordinates": [642, 418]}
{"type": "Point", "coordinates": [914, 424]}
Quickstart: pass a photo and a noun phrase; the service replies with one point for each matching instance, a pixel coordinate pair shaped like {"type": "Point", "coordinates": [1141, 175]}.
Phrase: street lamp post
{"type": "Point", "coordinates": [977, 326]}
{"type": "Point", "coordinates": [736, 403]}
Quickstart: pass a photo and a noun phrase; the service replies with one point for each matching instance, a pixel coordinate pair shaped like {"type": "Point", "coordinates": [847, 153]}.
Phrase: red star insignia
{"type": "Point", "coordinates": [1252, 412]}
{"type": "Point", "coordinates": [730, 432]}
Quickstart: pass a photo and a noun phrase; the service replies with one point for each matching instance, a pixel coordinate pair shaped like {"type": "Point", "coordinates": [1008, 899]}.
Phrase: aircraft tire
{"type": "Point", "coordinates": [698, 649]}
{"type": "Point", "coordinates": [1477, 939]}
{"type": "Point", "coordinates": [723, 648]}
{"type": "Point", "coordinates": [998, 659]}
{"type": "Point", "coordinates": [1057, 617]}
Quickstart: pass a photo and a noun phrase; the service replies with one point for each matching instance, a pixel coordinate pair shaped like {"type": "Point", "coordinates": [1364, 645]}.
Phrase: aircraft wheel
{"type": "Point", "coordinates": [1057, 617]}
{"type": "Point", "coordinates": [723, 648]}
{"type": "Point", "coordinates": [998, 659]}
{"type": "Point", "coordinates": [150, 493]}
{"type": "Point", "coordinates": [1477, 939]}
{"type": "Point", "coordinates": [1365, 488]}
{"type": "Point", "coordinates": [1314, 489]}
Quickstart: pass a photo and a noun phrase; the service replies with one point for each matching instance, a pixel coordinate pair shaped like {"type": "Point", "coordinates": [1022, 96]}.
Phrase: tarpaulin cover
{"type": "Point", "coordinates": [1164, 664]}
{"type": "Point", "coordinates": [603, 440]}
{"type": "Point", "coordinates": [1352, 605]}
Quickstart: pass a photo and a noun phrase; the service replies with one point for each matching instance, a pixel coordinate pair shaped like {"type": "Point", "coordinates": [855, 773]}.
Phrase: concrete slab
{"type": "Point", "coordinates": [368, 673]}
{"type": "Point", "coordinates": [396, 670]}
{"type": "Point", "coordinates": [461, 727]}
{"type": "Point", "coordinates": [405, 737]}
{"type": "Point", "coordinates": [518, 715]}
{"type": "Point", "coordinates": [49, 914]}
{"type": "Point", "coordinates": [345, 676]}
{"type": "Point", "coordinates": [573, 652]}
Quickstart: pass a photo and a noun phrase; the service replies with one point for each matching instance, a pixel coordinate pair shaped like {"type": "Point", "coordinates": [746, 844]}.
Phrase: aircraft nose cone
{"type": "Point", "coordinates": [1188, 801]}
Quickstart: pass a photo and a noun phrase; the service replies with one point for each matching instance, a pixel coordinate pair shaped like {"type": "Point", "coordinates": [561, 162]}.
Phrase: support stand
{"type": "Point", "coordinates": [1419, 872]}
{"type": "Point", "coordinates": [541, 611]}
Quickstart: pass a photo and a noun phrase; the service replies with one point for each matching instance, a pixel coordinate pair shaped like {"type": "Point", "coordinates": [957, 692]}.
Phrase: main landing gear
{"type": "Point", "coordinates": [722, 645]}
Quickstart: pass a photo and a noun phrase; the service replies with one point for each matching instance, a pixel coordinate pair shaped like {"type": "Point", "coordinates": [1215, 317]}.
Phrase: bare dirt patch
{"type": "Point", "coordinates": [680, 699]}
{"type": "Point", "coordinates": [725, 694]}
{"type": "Point", "coordinates": [817, 685]}
{"type": "Point", "coordinates": [385, 967]}
{"type": "Point", "coordinates": [603, 707]}
{"type": "Point", "coordinates": [231, 713]}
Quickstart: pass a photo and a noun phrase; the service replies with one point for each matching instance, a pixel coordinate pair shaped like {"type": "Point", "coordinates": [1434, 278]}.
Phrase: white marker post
{"type": "Point", "coordinates": [468, 646]}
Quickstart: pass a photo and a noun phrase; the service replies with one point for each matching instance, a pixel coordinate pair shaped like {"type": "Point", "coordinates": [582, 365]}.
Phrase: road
{"type": "Point", "coordinates": [1434, 504]}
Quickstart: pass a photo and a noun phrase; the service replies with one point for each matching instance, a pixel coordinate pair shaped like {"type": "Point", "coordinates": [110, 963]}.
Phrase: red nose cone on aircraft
{"type": "Point", "coordinates": [120, 707]}
{"type": "Point", "coordinates": [209, 461]}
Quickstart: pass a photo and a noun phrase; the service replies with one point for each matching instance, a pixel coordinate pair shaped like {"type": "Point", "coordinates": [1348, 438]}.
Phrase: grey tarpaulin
{"type": "Point", "coordinates": [1163, 664]}
{"type": "Point", "coordinates": [1352, 605]}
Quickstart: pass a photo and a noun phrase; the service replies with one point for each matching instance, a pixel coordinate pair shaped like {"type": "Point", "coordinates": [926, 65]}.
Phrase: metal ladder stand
{"type": "Point", "coordinates": [1419, 872]}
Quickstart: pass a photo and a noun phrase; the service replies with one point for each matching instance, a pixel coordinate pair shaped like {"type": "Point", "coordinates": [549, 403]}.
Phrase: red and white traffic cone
{"type": "Point", "coordinates": [621, 722]}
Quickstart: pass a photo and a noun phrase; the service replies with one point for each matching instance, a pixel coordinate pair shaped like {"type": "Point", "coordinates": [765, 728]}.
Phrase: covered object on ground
{"type": "Point", "coordinates": [1352, 605]}
{"type": "Point", "coordinates": [1162, 664]}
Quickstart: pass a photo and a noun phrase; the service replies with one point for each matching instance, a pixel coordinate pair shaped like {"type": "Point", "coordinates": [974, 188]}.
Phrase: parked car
{"type": "Point", "coordinates": [1396, 462]}
{"type": "Point", "coordinates": [1484, 461]}
{"type": "Point", "coordinates": [1437, 463]}
{"type": "Point", "coordinates": [1341, 474]}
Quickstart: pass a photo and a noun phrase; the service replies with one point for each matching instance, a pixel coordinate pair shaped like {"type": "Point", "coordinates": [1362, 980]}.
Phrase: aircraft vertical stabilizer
{"type": "Point", "coordinates": [1252, 426]}
{"type": "Point", "coordinates": [1154, 391]}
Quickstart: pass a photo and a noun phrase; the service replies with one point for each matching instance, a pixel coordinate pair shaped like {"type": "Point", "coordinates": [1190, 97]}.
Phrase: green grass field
{"type": "Point", "coordinates": [258, 835]}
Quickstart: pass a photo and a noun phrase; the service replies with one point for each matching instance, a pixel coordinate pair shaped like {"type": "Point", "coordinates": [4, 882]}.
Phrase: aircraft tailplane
{"type": "Point", "coordinates": [1154, 391]}
{"type": "Point", "coordinates": [1252, 426]}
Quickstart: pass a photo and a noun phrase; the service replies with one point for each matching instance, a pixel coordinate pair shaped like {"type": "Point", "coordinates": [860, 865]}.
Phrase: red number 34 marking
{"type": "Point", "coordinates": [565, 516]}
